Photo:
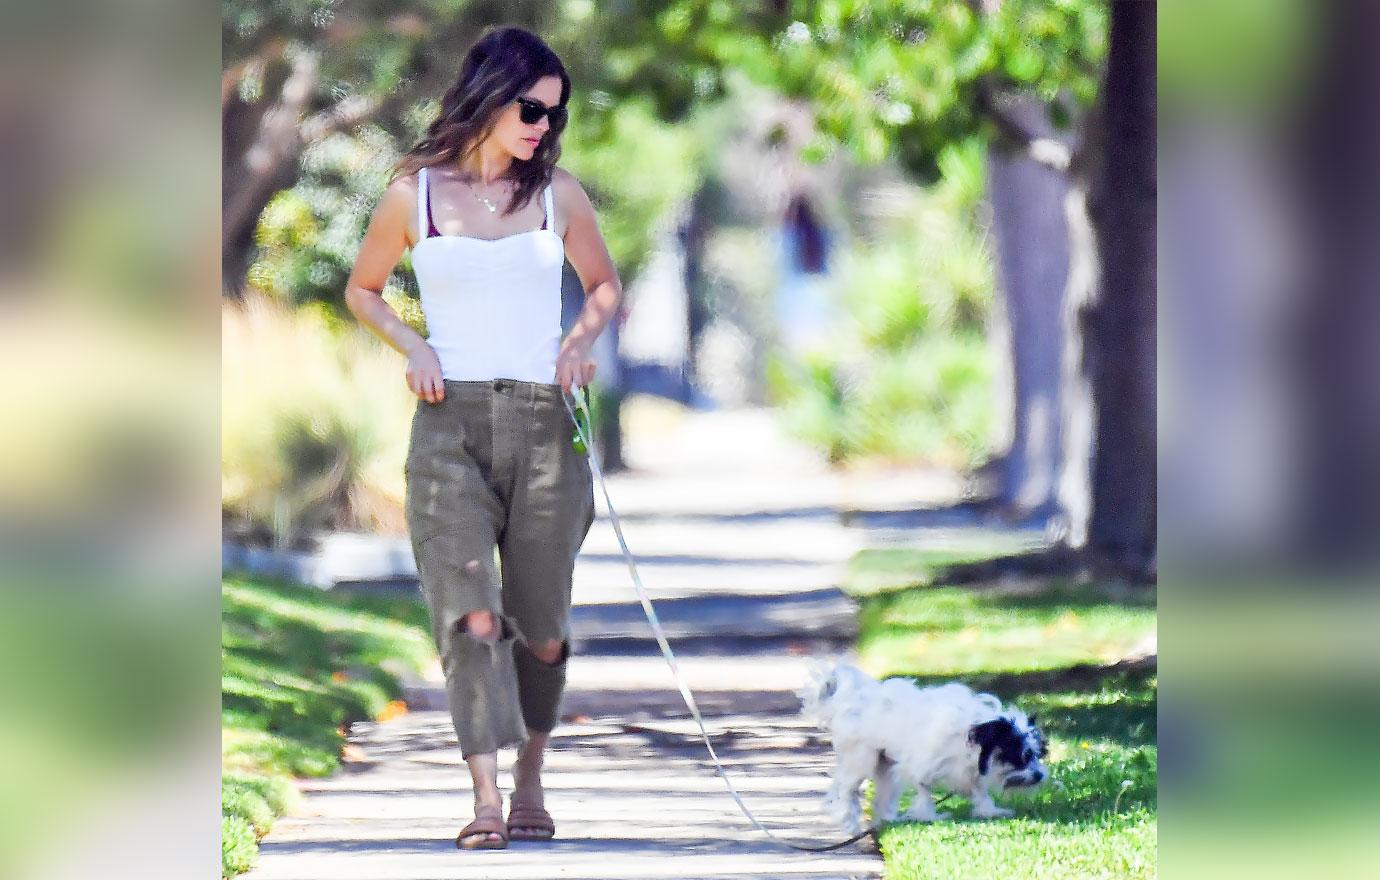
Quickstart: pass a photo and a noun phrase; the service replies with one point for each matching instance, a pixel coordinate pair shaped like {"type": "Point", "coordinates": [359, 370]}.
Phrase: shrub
{"type": "Point", "coordinates": [242, 802]}
{"type": "Point", "coordinates": [239, 848]}
{"type": "Point", "coordinates": [277, 791]}
{"type": "Point", "coordinates": [323, 447]}
{"type": "Point", "coordinates": [909, 373]}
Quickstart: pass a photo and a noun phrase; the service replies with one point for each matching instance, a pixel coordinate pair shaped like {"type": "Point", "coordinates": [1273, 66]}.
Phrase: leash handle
{"type": "Point", "coordinates": [583, 419]}
{"type": "Point", "coordinates": [583, 433]}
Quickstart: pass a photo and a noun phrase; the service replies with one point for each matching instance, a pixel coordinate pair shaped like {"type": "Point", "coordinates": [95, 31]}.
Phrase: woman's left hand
{"type": "Point", "coordinates": [574, 365]}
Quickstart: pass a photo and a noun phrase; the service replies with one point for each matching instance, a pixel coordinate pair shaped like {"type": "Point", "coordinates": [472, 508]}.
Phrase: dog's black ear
{"type": "Point", "coordinates": [988, 731]}
{"type": "Point", "coordinates": [1030, 718]}
{"type": "Point", "coordinates": [985, 736]}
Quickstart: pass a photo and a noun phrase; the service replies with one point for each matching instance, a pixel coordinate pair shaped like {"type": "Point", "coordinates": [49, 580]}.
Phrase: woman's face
{"type": "Point", "coordinates": [516, 136]}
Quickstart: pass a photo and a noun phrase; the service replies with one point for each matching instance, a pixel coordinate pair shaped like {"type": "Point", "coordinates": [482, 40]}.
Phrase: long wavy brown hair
{"type": "Point", "coordinates": [502, 64]}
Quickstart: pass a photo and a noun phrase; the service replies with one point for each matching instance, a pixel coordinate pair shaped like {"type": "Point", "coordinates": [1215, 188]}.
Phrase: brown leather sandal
{"type": "Point", "coordinates": [484, 823]}
{"type": "Point", "coordinates": [529, 816]}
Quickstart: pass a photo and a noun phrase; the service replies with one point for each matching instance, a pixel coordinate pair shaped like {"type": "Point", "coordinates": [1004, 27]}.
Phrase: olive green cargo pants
{"type": "Point", "coordinates": [492, 467]}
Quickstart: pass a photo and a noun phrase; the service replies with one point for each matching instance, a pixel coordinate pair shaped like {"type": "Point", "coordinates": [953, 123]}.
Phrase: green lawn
{"type": "Point", "coordinates": [888, 568]}
{"type": "Point", "coordinates": [297, 666]}
{"type": "Point", "coordinates": [1031, 643]}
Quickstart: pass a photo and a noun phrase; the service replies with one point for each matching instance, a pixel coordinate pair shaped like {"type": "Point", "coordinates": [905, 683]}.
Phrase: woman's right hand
{"type": "Point", "coordinates": [424, 374]}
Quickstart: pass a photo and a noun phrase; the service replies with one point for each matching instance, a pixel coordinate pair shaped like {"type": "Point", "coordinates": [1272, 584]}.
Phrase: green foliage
{"type": "Point", "coordinates": [298, 666]}
{"type": "Point", "coordinates": [882, 569]}
{"type": "Point", "coordinates": [892, 79]}
{"type": "Point", "coordinates": [239, 848]}
{"type": "Point", "coordinates": [884, 79]}
{"type": "Point", "coordinates": [314, 436]}
{"type": "Point", "coordinates": [635, 169]}
{"type": "Point", "coordinates": [247, 805]}
{"type": "Point", "coordinates": [944, 631]}
{"type": "Point", "coordinates": [1262, 66]}
{"type": "Point", "coordinates": [300, 752]}
{"type": "Point", "coordinates": [812, 390]}
{"type": "Point", "coordinates": [308, 235]}
{"type": "Point", "coordinates": [246, 22]}
{"type": "Point", "coordinates": [910, 373]}
{"type": "Point", "coordinates": [101, 671]}
{"type": "Point", "coordinates": [277, 792]}
{"type": "Point", "coordinates": [911, 623]}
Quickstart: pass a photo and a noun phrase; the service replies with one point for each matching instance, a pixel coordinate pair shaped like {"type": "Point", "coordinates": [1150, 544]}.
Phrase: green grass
{"type": "Point", "coordinates": [297, 667]}
{"type": "Point", "coordinates": [1098, 816]}
{"type": "Point", "coordinates": [957, 630]}
{"type": "Point", "coordinates": [882, 569]}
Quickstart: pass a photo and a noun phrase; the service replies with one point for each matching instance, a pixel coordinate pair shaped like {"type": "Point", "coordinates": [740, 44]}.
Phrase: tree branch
{"type": "Point", "coordinates": [346, 113]}
{"type": "Point", "coordinates": [230, 78]}
{"type": "Point", "coordinates": [1047, 151]}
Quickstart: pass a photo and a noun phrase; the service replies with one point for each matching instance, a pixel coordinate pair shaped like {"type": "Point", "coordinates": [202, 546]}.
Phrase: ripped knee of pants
{"type": "Point", "coordinates": [562, 654]}
{"type": "Point", "coordinates": [497, 628]}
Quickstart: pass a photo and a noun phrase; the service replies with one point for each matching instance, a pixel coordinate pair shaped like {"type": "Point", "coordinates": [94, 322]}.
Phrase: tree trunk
{"type": "Point", "coordinates": [1120, 335]}
{"type": "Point", "coordinates": [1027, 202]}
{"type": "Point", "coordinates": [1336, 482]}
{"type": "Point", "coordinates": [261, 147]}
{"type": "Point", "coordinates": [1077, 412]}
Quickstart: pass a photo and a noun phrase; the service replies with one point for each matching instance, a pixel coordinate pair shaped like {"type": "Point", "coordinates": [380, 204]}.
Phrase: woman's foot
{"type": "Point", "coordinates": [481, 835]}
{"type": "Point", "coordinates": [527, 803]}
{"type": "Point", "coordinates": [528, 822]}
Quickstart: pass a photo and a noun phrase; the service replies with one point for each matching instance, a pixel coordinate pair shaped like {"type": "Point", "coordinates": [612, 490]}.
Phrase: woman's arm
{"type": "Point", "coordinates": [589, 256]}
{"type": "Point", "coordinates": [379, 252]}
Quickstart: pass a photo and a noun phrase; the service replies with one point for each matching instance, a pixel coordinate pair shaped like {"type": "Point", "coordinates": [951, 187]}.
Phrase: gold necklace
{"type": "Point", "coordinates": [488, 203]}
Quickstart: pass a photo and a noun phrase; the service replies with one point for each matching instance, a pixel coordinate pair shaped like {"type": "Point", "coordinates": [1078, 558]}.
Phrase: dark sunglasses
{"type": "Point", "coordinates": [530, 112]}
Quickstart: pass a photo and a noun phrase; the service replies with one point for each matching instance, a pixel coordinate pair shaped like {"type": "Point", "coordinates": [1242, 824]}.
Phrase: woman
{"type": "Point", "coordinates": [490, 220]}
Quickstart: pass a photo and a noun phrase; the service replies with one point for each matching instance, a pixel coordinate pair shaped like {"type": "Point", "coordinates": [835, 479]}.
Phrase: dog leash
{"type": "Point", "coordinates": [582, 427]}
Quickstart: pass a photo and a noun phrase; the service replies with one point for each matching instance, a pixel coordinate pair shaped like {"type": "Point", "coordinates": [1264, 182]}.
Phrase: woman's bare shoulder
{"type": "Point", "coordinates": [403, 184]}
{"type": "Point", "coordinates": [568, 189]}
{"type": "Point", "coordinates": [397, 206]}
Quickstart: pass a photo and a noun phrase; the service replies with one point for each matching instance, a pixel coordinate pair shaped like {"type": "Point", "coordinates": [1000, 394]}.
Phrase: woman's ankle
{"type": "Point", "coordinates": [488, 801]}
{"type": "Point", "coordinates": [527, 772]}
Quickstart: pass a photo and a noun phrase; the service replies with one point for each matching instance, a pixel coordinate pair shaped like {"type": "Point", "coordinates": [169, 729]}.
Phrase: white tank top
{"type": "Point", "coordinates": [492, 306]}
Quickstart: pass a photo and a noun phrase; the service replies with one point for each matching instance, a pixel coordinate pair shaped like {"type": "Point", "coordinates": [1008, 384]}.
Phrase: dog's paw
{"type": "Point", "coordinates": [850, 826]}
{"type": "Point", "coordinates": [993, 813]}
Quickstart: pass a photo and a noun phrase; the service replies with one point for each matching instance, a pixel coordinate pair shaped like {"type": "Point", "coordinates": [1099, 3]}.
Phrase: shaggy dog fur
{"type": "Point", "coordinates": [899, 734]}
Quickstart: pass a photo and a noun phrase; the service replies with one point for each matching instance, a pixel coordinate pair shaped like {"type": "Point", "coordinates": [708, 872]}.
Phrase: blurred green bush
{"type": "Point", "coordinates": [314, 428]}
{"type": "Point", "coordinates": [909, 374]}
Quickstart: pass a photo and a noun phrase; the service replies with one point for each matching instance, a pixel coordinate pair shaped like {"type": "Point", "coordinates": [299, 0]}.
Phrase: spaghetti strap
{"type": "Point", "coordinates": [546, 221]}
{"type": "Point", "coordinates": [426, 227]}
{"type": "Point", "coordinates": [421, 203]}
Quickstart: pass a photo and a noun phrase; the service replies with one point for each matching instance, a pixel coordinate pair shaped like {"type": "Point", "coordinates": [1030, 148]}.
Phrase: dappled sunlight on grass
{"type": "Point", "coordinates": [955, 630]}
{"type": "Point", "coordinates": [880, 569]}
{"type": "Point", "coordinates": [1023, 638]}
{"type": "Point", "coordinates": [297, 666]}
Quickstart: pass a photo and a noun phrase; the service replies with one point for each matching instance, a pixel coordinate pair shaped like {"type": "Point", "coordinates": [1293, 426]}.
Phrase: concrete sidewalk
{"type": "Point", "coordinates": [739, 539]}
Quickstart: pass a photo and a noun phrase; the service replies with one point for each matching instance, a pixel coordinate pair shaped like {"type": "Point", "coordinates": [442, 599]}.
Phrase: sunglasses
{"type": "Point", "coordinates": [530, 112]}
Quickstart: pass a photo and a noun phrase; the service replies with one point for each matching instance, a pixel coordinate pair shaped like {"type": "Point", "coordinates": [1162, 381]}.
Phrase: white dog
{"type": "Point", "coordinates": [900, 734]}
